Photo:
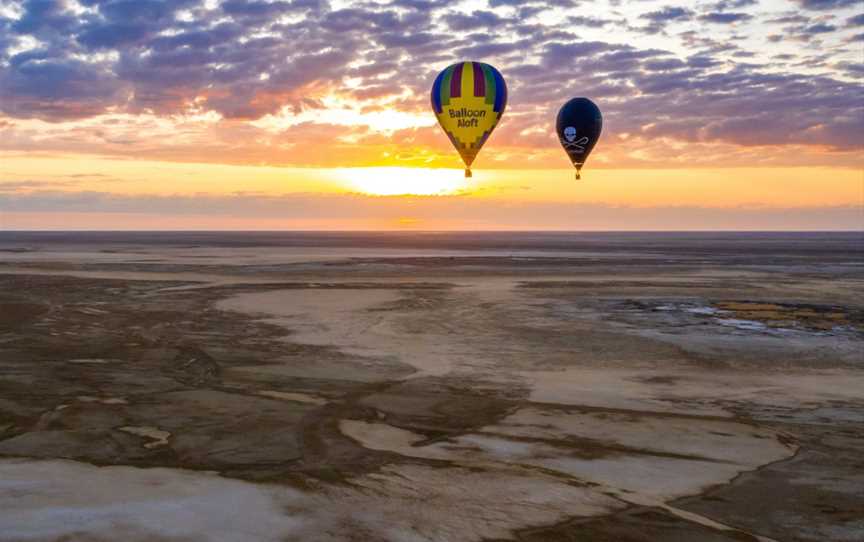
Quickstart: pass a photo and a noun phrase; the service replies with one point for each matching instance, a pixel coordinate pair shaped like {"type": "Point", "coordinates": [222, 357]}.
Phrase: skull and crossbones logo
{"type": "Point", "coordinates": [570, 144]}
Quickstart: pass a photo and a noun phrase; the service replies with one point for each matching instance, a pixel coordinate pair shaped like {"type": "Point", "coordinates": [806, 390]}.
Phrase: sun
{"type": "Point", "coordinates": [398, 181]}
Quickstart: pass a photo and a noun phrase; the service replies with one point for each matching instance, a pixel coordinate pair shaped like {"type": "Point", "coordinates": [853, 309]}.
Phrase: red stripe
{"type": "Point", "coordinates": [479, 81]}
{"type": "Point", "coordinates": [456, 81]}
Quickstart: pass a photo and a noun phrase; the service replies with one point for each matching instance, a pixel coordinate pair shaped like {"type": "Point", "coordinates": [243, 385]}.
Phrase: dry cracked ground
{"type": "Point", "coordinates": [443, 388]}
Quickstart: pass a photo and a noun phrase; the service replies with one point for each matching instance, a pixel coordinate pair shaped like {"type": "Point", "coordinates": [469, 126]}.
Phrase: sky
{"type": "Point", "coordinates": [308, 114]}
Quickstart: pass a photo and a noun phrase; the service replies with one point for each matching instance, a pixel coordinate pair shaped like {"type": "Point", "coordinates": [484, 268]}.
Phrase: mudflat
{"type": "Point", "coordinates": [432, 387]}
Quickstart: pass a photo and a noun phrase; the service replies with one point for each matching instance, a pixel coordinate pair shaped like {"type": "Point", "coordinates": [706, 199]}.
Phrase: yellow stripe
{"type": "Point", "coordinates": [467, 80]}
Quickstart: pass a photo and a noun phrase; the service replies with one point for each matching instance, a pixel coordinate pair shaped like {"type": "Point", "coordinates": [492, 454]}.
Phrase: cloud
{"type": "Point", "coordinates": [820, 28]}
{"type": "Point", "coordinates": [27, 185]}
{"type": "Point", "coordinates": [56, 89]}
{"type": "Point", "coordinates": [590, 22]}
{"type": "Point", "coordinates": [790, 18]}
{"type": "Point", "coordinates": [857, 20]}
{"type": "Point", "coordinates": [474, 21]}
{"type": "Point", "coordinates": [668, 13]}
{"type": "Point", "coordinates": [724, 5]}
{"type": "Point", "coordinates": [725, 17]}
{"type": "Point", "coordinates": [807, 32]}
{"type": "Point", "coordinates": [659, 19]}
{"type": "Point", "coordinates": [256, 10]}
{"type": "Point", "coordinates": [824, 5]}
{"type": "Point", "coordinates": [43, 17]}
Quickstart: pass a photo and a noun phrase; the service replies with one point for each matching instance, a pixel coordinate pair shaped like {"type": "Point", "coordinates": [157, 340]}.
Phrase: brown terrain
{"type": "Point", "coordinates": [432, 387]}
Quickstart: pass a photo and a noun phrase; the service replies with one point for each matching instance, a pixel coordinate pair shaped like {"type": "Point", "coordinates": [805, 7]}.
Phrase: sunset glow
{"type": "Point", "coordinates": [382, 181]}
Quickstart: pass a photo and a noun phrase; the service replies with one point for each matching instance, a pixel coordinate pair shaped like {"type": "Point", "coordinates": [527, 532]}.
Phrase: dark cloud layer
{"type": "Point", "coordinates": [857, 20]}
{"type": "Point", "coordinates": [720, 17]}
{"type": "Point", "coordinates": [245, 59]}
{"type": "Point", "coordinates": [823, 5]}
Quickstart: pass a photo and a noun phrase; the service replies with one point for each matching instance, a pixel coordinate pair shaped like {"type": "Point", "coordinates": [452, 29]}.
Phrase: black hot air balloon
{"type": "Point", "coordinates": [579, 125]}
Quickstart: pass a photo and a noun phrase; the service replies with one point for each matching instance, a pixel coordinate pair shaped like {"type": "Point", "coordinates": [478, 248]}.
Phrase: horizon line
{"type": "Point", "coordinates": [407, 231]}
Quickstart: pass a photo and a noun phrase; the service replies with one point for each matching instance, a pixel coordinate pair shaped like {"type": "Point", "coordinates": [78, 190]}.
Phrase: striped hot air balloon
{"type": "Point", "coordinates": [469, 98]}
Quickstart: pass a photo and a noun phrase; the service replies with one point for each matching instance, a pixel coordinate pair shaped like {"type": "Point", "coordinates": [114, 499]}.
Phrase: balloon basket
{"type": "Point", "coordinates": [468, 174]}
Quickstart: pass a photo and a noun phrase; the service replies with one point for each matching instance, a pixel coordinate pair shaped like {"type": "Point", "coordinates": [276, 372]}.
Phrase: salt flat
{"type": "Point", "coordinates": [442, 387]}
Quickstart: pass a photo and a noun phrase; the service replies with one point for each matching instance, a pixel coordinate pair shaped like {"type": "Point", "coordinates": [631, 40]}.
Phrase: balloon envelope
{"type": "Point", "coordinates": [579, 125]}
{"type": "Point", "coordinates": [469, 98]}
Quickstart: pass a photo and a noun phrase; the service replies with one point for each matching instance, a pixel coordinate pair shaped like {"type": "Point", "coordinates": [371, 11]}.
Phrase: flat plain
{"type": "Point", "coordinates": [626, 387]}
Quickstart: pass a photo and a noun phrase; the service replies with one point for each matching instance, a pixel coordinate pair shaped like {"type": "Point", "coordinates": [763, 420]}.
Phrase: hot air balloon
{"type": "Point", "coordinates": [579, 125]}
{"type": "Point", "coordinates": [469, 98]}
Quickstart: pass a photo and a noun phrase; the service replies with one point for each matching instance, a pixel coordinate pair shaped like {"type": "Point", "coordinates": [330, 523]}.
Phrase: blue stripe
{"type": "Point", "coordinates": [500, 92]}
{"type": "Point", "coordinates": [436, 93]}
